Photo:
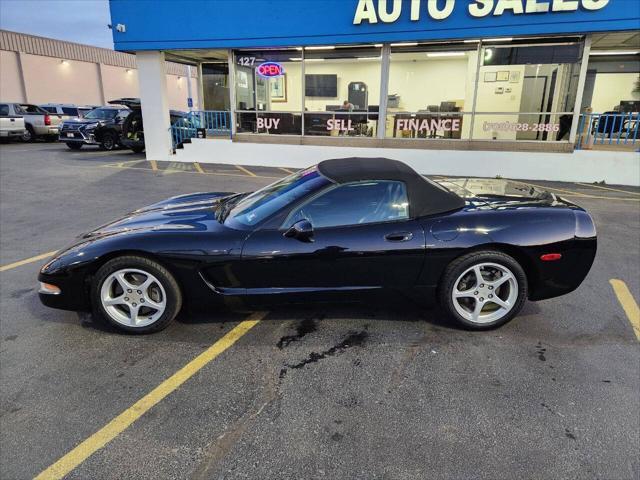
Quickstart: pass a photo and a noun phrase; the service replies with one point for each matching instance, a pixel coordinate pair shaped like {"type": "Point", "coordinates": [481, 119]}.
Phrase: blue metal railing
{"type": "Point", "coordinates": [215, 123]}
{"type": "Point", "coordinates": [608, 128]}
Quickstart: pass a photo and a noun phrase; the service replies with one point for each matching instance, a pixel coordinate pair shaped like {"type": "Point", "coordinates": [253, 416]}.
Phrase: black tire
{"type": "Point", "coordinates": [73, 145]}
{"type": "Point", "coordinates": [169, 284]}
{"type": "Point", "coordinates": [108, 142]}
{"type": "Point", "coordinates": [463, 263]}
{"type": "Point", "coordinates": [29, 134]}
{"type": "Point", "coordinates": [137, 149]}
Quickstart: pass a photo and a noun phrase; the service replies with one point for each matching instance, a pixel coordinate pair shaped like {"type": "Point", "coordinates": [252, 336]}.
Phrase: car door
{"type": "Point", "coordinates": [362, 238]}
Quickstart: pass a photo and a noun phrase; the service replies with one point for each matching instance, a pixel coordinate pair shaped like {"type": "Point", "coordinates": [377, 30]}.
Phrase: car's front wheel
{"type": "Point", "coordinates": [483, 290]}
{"type": "Point", "coordinates": [135, 294]}
{"type": "Point", "coordinates": [108, 141]}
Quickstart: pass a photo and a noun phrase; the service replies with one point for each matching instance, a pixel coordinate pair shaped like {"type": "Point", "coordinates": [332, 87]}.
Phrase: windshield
{"type": "Point", "coordinates": [254, 208]}
{"type": "Point", "coordinates": [102, 114]}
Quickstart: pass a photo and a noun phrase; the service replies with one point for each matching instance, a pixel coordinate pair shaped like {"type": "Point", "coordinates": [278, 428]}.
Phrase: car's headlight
{"type": "Point", "coordinates": [91, 126]}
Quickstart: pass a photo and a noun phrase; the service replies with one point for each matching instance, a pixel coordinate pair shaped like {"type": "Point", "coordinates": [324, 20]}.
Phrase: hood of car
{"type": "Point", "coordinates": [82, 121]}
{"type": "Point", "coordinates": [194, 212]}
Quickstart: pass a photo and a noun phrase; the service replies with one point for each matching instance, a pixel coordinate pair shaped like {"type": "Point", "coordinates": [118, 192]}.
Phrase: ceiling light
{"type": "Point", "coordinates": [472, 41]}
{"type": "Point", "coordinates": [64, 62]}
{"type": "Point", "coordinates": [129, 71]}
{"type": "Point", "coordinates": [412, 44]}
{"type": "Point", "coordinates": [295, 59]}
{"type": "Point", "coordinates": [368, 58]}
{"type": "Point", "coordinates": [614, 52]}
{"type": "Point", "coordinates": [378, 45]}
{"type": "Point", "coordinates": [320, 48]}
{"type": "Point", "coordinates": [446, 54]}
{"type": "Point", "coordinates": [314, 59]}
{"type": "Point", "coordinates": [505, 39]}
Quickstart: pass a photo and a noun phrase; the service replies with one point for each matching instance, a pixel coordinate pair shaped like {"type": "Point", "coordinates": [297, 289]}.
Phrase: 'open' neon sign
{"type": "Point", "coordinates": [270, 69]}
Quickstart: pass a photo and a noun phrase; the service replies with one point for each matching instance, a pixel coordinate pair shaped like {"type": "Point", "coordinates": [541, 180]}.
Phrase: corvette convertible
{"type": "Point", "coordinates": [345, 227]}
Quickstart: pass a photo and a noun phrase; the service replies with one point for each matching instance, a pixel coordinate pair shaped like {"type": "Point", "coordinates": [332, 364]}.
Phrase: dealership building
{"type": "Point", "coordinates": [538, 89]}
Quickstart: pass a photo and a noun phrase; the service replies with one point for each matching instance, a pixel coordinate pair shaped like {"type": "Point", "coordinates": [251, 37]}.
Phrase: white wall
{"type": "Point", "coordinates": [616, 168]}
{"type": "Point", "coordinates": [48, 80]}
{"type": "Point", "coordinates": [10, 82]}
{"type": "Point", "coordinates": [491, 101]}
{"type": "Point", "coordinates": [610, 88]}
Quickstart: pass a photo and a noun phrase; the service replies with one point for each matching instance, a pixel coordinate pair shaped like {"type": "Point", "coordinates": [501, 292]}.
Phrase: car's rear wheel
{"type": "Point", "coordinates": [137, 149]}
{"type": "Point", "coordinates": [73, 146]}
{"type": "Point", "coordinates": [483, 290]}
{"type": "Point", "coordinates": [108, 141]}
{"type": "Point", "coordinates": [29, 134]}
{"type": "Point", "coordinates": [135, 294]}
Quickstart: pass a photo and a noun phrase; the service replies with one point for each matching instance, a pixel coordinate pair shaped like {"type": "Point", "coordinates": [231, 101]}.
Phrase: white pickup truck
{"type": "Point", "coordinates": [37, 121]}
{"type": "Point", "coordinates": [11, 126]}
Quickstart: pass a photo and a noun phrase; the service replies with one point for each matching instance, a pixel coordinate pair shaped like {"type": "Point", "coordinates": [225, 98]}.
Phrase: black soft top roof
{"type": "Point", "coordinates": [425, 196]}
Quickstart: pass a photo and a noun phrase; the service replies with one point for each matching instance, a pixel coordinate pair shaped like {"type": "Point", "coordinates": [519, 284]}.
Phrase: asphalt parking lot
{"type": "Point", "coordinates": [315, 391]}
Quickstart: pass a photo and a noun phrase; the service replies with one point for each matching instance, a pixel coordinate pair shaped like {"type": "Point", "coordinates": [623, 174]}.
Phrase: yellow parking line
{"type": "Point", "coordinates": [26, 261]}
{"type": "Point", "coordinates": [198, 167]}
{"type": "Point", "coordinates": [286, 170]}
{"type": "Point", "coordinates": [607, 188]}
{"type": "Point", "coordinates": [248, 172]}
{"type": "Point", "coordinates": [154, 165]}
{"type": "Point", "coordinates": [116, 426]}
{"type": "Point", "coordinates": [628, 303]}
{"type": "Point", "coordinates": [192, 172]}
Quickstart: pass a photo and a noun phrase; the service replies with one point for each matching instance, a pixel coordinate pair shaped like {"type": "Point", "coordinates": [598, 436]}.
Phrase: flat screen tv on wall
{"type": "Point", "coordinates": [321, 85]}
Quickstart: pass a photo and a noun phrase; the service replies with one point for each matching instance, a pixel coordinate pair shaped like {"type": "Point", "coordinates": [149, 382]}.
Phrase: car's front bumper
{"type": "Point", "coordinates": [77, 136]}
{"type": "Point", "coordinates": [73, 292]}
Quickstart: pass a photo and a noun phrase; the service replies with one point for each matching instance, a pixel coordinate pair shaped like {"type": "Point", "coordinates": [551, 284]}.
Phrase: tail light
{"type": "Point", "coordinates": [47, 120]}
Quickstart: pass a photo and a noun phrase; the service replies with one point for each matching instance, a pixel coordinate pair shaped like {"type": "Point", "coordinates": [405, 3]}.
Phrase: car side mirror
{"type": "Point", "coordinates": [301, 230]}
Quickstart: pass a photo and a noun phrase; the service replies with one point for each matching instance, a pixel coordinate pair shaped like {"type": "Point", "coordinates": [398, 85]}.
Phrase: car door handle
{"type": "Point", "coordinates": [398, 237]}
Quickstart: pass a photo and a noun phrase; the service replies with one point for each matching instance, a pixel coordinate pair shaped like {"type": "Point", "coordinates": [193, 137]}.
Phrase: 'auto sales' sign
{"type": "Point", "coordinates": [388, 11]}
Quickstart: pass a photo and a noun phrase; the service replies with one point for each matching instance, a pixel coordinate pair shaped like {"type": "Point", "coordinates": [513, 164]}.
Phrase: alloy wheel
{"type": "Point", "coordinates": [133, 297]}
{"type": "Point", "coordinates": [485, 293]}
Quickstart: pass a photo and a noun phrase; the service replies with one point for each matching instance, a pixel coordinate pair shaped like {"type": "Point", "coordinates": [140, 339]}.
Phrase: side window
{"type": "Point", "coordinates": [70, 111]}
{"type": "Point", "coordinates": [355, 204]}
{"type": "Point", "coordinates": [4, 110]}
{"type": "Point", "coordinates": [50, 109]}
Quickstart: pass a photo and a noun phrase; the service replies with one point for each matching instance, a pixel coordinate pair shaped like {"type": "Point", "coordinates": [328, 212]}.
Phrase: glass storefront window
{"type": "Point", "coordinates": [431, 90]}
{"type": "Point", "coordinates": [526, 92]}
{"type": "Point", "coordinates": [342, 91]}
{"type": "Point", "coordinates": [268, 92]}
{"type": "Point", "coordinates": [215, 86]}
{"type": "Point", "coordinates": [468, 90]}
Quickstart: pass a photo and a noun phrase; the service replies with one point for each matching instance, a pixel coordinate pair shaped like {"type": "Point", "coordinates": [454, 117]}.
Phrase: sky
{"type": "Point", "coordinates": [80, 21]}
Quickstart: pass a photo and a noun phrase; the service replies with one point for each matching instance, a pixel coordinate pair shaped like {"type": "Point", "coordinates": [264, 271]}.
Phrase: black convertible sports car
{"type": "Point", "coordinates": [346, 226]}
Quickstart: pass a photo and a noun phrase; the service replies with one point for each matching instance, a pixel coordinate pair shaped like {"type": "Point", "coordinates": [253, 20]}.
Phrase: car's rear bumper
{"type": "Point", "coordinates": [12, 133]}
{"type": "Point", "coordinates": [46, 130]}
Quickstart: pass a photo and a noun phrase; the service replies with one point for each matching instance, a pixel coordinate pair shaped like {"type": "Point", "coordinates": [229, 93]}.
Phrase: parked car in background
{"type": "Point", "coordinates": [68, 110]}
{"type": "Point", "coordinates": [37, 121]}
{"type": "Point", "coordinates": [132, 128]}
{"type": "Point", "coordinates": [11, 126]}
{"type": "Point", "coordinates": [101, 126]}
